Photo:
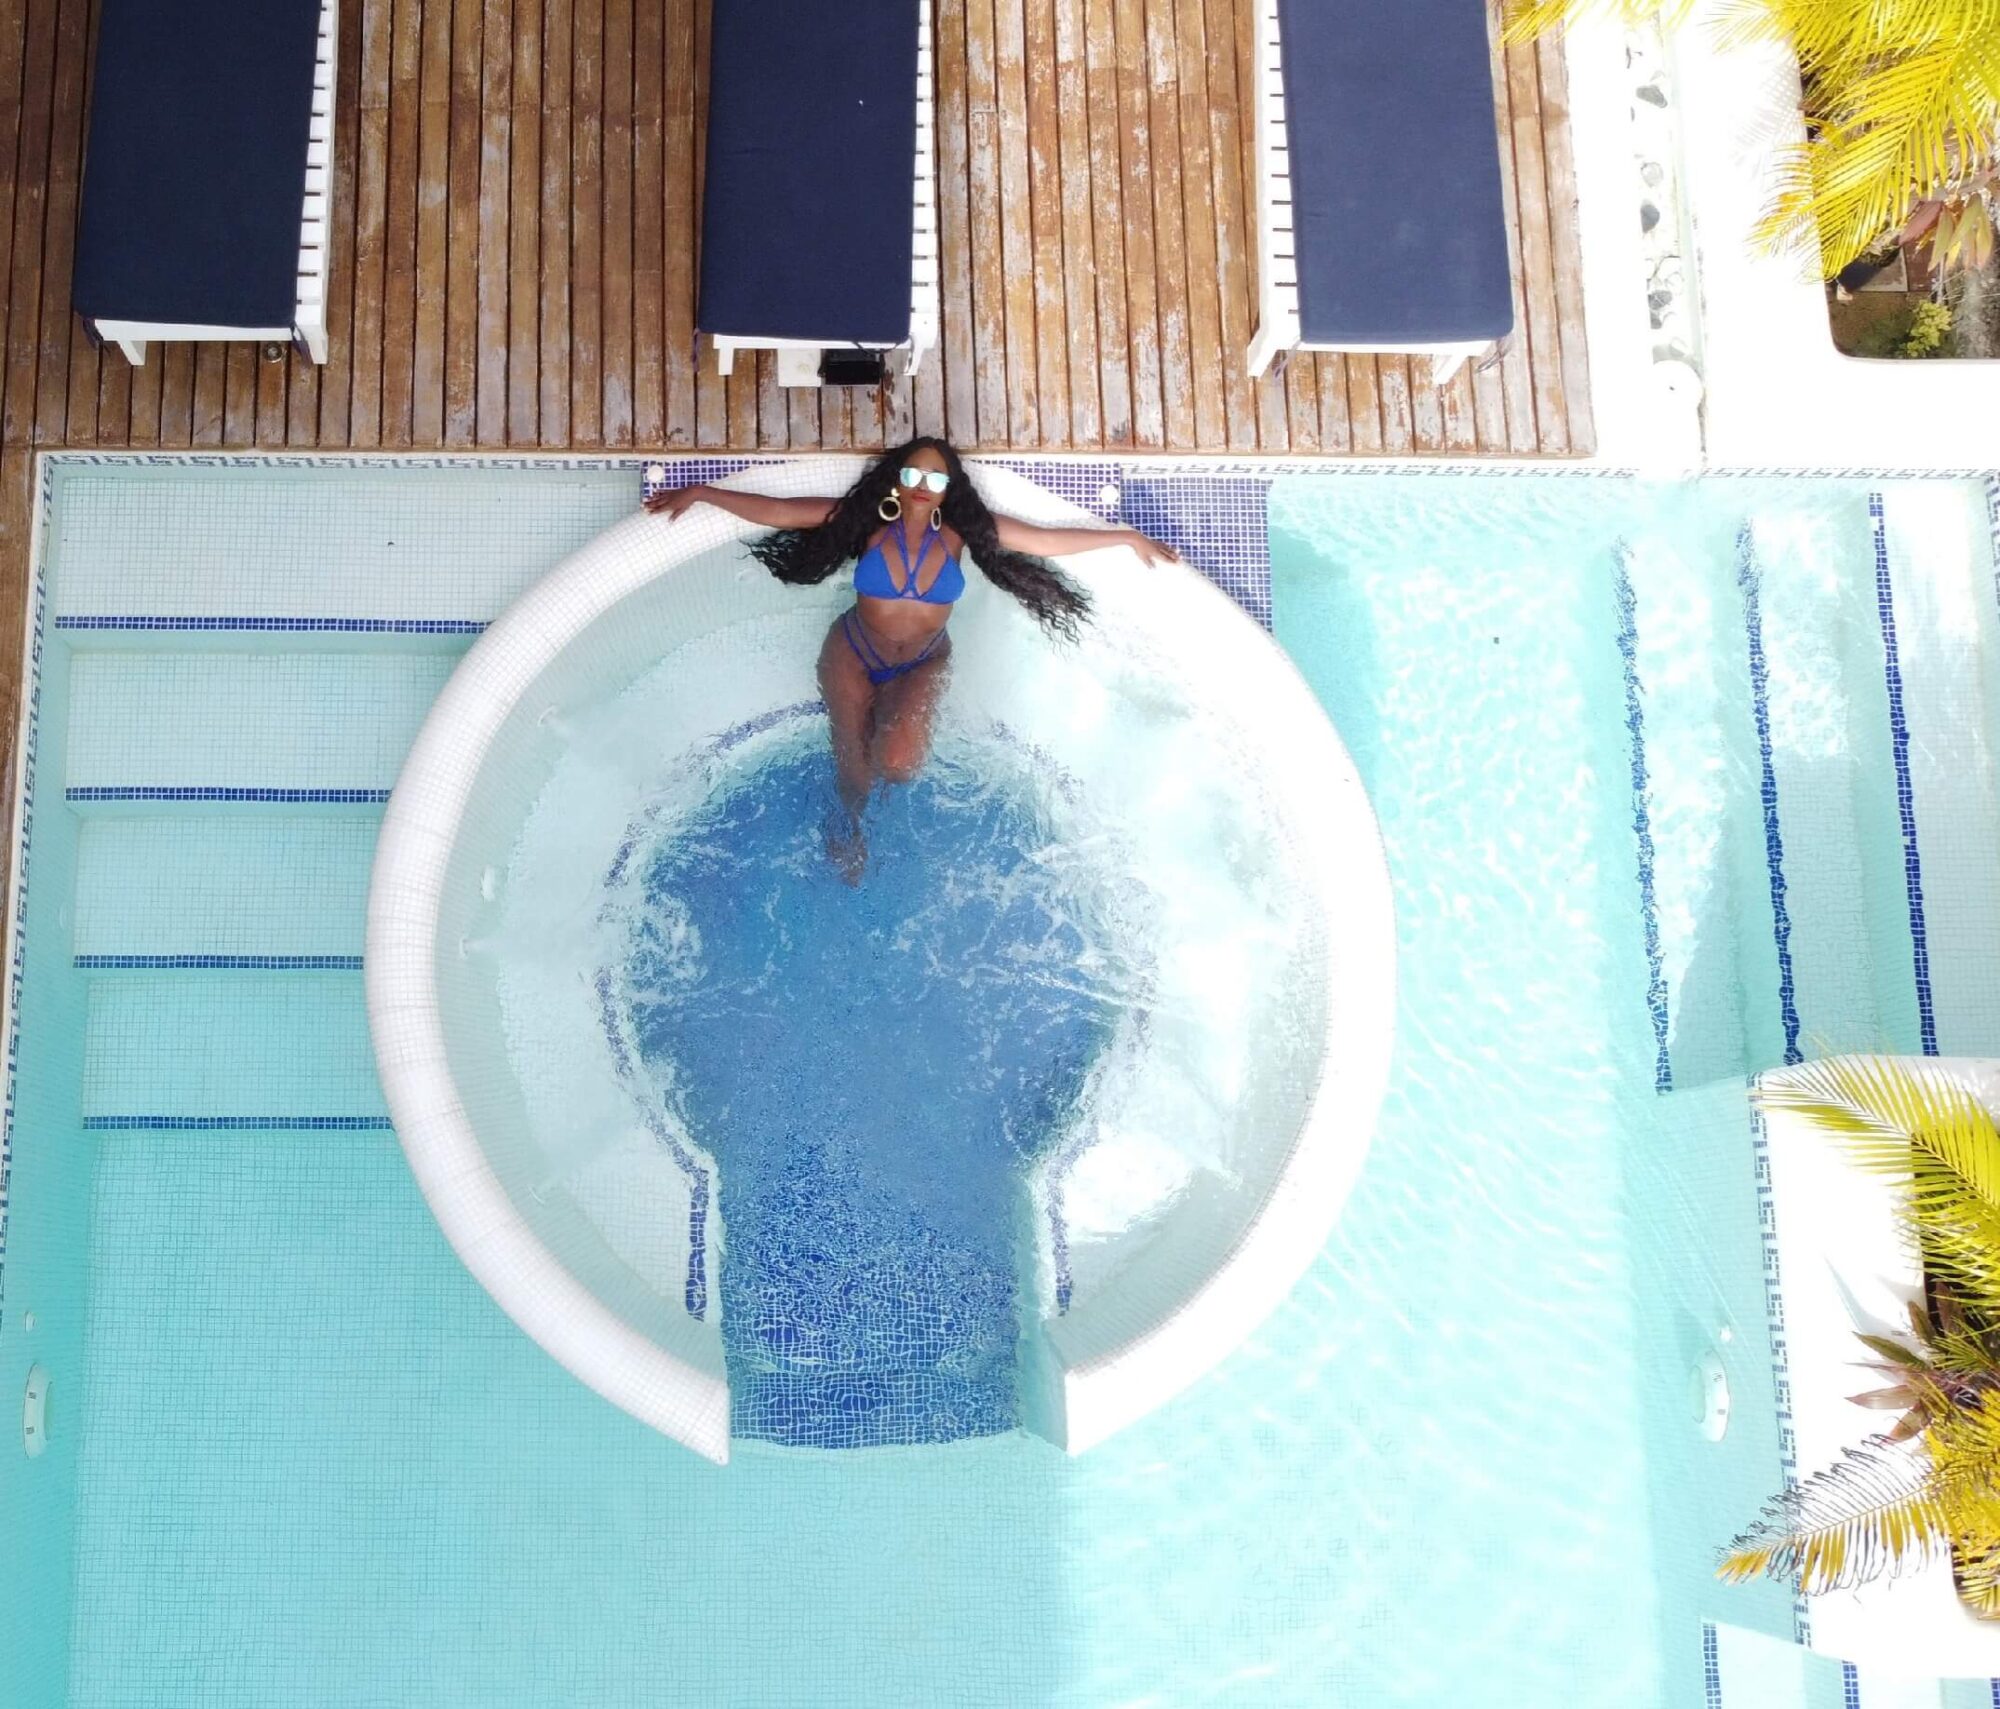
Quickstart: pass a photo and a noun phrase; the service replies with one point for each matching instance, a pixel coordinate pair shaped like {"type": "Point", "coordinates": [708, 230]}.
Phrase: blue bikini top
{"type": "Point", "coordinates": [876, 580]}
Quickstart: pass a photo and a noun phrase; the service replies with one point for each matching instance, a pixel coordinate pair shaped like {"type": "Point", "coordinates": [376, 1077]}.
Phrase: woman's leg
{"type": "Point", "coordinates": [850, 709]}
{"type": "Point", "coordinates": [904, 710]}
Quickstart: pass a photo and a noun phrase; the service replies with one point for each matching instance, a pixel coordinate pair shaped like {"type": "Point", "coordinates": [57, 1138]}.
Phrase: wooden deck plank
{"type": "Point", "coordinates": [1531, 195]}
{"type": "Point", "coordinates": [1559, 157]}
{"type": "Point", "coordinates": [13, 53]}
{"type": "Point", "coordinates": [1461, 424]}
{"type": "Point", "coordinates": [461, 288]}
{"type": "Point", "coordinates": [989, 263]}
{"type": "Point", "coordinates": [239, 395]}
{"type": "Point", "coordinates": [346, 353]}
{"type": "Point", "coordinates": [1426, 407]}
{"type": "Point", "coordinates": [1516, 383]}
{"type": "Point", "coordinates": [78, 423]}
{"type": "Point", "coordinates": [1392, 393]}
{"type": "Point", "coordinates": [1198, 224]}
{"type": "Point", "coordinates": [274, 385]}
{"type": "Point", "coordinates": [402, 175]}
{"type": "Point", "coordinates": [711, 391]}
{"type": "Point", "coordinates": [496, 193]}
{"type": "Point", "coordinates": [427, 354]}
{"type": "Point", "coordinates": [1017, 234]}
{"type": "Point", "coordinates": [617, 283]}
{"type": "Point", "coordinates": [371, 192]}
{"type": "Point", "coordinates": [1142, 310]}
{"type": "Point", "coordinates": [1271, 391]}
{"type": "Point", "coordinates": [958, 375]}
{"type": "Point", "coordinates": [649, 319]}
{"type": "Point", "coordinates": [552, 263]}
{"type": "Point", "coordinates": [1042, 132]}
{"type": "Point", "coordinates": [1074, 172]}
{"type": "Point", "coordinates": [31, 193]}
{"type": "Point", "coordinates": [586, 216]}
{"type": "Point", "coordinates": [143, 412]}
{"type": "Point", "coordinates": [774, 420]}
{"type": "Point", "coordinates": [1107, 222]}
{"type": "Point", "coordinates": [177, 376]}
{"type": "Point", "coordinates": [1338, 431]}
{"type": "Point", "coordinates": [677, 200]}
{"type": "Point", "coordinates": [524, 230]}
{"type": "Point", "coordinates": [59, 226]}
{"type": "Point", "coordinates": [867, 418]}
{"type": "Point", "coordinates": [1234, 240]}
{"type": "Point", "coordinates": [1170, 272]}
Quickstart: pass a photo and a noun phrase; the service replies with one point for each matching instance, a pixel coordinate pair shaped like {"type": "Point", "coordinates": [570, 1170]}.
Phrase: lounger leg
{"type": "Point", "coordinates": [725, 357]}
{"type": "Point", "coordinates": [1262, 348]}
{"type": "Point", "coordinates": [135, 351]}
{"type": "Point", "coordinates": [1444, 367]}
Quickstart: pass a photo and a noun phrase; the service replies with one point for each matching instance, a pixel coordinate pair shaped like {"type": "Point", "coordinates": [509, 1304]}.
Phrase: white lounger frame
{"type": "Point", "coordinates": [798, 358]}
{"type": "Point", "coordinates": [1277, 263]}
{"type": "Point", "coordinates": [308, 326]}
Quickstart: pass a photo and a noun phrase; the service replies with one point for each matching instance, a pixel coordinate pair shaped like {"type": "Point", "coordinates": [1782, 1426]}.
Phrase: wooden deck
{"type": "Point", "coordinates": [518, 195]}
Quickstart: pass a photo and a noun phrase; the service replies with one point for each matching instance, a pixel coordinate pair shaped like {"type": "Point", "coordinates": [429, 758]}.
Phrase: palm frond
{"type": "Point", "coordinates": [1932, 1136]}
{"type": "Point", "coordinates": [1872, 1512]}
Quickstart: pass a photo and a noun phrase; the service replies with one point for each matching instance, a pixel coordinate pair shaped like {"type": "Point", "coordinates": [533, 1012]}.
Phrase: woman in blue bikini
{"type": "Point", "coordinates": [905, 525]}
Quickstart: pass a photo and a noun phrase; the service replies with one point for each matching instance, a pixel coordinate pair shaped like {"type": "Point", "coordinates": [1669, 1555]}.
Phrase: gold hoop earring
{"type": "Point", "coordinates": [891, 507]}
{"type": "Point", "coordinates": [937, 520]}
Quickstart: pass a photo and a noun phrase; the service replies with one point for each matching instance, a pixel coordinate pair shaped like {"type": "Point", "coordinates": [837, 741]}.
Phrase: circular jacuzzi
{"type": "Point", "coordinates": [1135, 915]}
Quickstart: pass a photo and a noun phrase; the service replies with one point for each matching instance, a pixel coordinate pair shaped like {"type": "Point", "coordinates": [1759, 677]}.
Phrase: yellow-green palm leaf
{"type": "Point", "coordinates": [1884, 1507]}
{"type": "Point", "coordinates": [1920, 1128]}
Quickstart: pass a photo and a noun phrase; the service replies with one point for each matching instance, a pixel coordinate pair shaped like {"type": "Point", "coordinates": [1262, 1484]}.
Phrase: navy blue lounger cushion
{"type": "Point", "coordinates": [1399, 225]}
{"type": "Point", "coordinates": [195, 177]}
{"type": "Point", "coordinates": [811, 167]}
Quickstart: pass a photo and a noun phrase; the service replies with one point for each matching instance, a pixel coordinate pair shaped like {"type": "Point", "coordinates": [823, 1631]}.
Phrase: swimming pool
{"type": "Point", "coordinates": [1644, 788]}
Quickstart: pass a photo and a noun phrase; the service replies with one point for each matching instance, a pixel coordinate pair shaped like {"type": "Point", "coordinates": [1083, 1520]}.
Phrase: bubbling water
{"type": "Point", "coordinates": [874, 1068]}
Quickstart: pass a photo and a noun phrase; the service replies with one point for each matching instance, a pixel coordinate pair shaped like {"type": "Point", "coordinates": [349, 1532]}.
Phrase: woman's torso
{"type": "Point", "coordinates": [905, 586]}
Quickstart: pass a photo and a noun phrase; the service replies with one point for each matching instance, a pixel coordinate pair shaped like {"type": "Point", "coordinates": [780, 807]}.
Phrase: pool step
{"type": "Point", "coordinates": [1834, 663]}
{"type": "Point", "coordinates": [386, 544]}
{"type": "Point", "coordinates": [229, 1049]}
{"type": "Point", "coordinates": [1936, 563]}
{"type": "Point", "coordinates": [1750, 1670]}
{"type": "Point", "coordinates": [222, 886]}
{"type": "Point", "coordinates": [155, 731]}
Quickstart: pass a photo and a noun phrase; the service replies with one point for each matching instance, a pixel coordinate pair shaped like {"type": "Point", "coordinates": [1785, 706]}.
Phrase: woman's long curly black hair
{"type": "Point", "coordinates": [807, 555]}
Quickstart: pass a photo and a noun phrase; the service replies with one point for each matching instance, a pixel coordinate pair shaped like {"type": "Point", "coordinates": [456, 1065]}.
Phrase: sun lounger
{"type": "Point", "coordinates": [210, 155]}
{"type": "Point", "coordinates": [1381, 224]}
{"type": "Point", "coordinates": [819, 207]}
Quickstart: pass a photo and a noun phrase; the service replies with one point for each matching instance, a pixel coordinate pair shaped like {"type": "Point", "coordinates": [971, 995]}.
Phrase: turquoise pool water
{"type": "Point", "coordinates": [301, 1458]}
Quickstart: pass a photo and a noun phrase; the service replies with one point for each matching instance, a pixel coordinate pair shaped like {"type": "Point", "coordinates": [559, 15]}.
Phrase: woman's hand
{"type": "Point", "coordinates": [1152, 553]}
{"type": "Point", "coordinates": [674, 501]}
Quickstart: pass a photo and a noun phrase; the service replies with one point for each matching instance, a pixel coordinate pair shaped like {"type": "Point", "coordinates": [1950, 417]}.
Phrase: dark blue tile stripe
{"type": "Point", "coordinates": [220, 963]}
{"type": "Point", "coordinates": [1747, 580]}
{"type": "Point", "coordinates": [1906, 803]}
{"type": "Point", "coordinates": [1850, 1686]}
{"type": "Point", "coordinates": [280, 625]}
{"type": "Point", "coordinates": [1711, 1667]}
{"type": "Point", "coordinates": [1642, 817]}
{"type": "Point", "coordinates": [237, 1124]}
{"type": "Point", "coordinates": [206, 792]}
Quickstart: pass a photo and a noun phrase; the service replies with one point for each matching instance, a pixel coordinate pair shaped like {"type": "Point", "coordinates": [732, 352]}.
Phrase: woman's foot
{"type": "Point", "coordinates": [846, 846]}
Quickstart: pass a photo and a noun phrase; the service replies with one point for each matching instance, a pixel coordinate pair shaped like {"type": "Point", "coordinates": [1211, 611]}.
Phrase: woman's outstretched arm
{"type": "Point", "coordinates": [752, 507]}
{"type": "Point", "coordinates": [1018, 536]}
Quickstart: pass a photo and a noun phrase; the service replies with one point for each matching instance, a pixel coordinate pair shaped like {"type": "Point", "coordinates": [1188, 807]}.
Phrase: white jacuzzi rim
{"type": "Point", "coordinates": [473, 1208]}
